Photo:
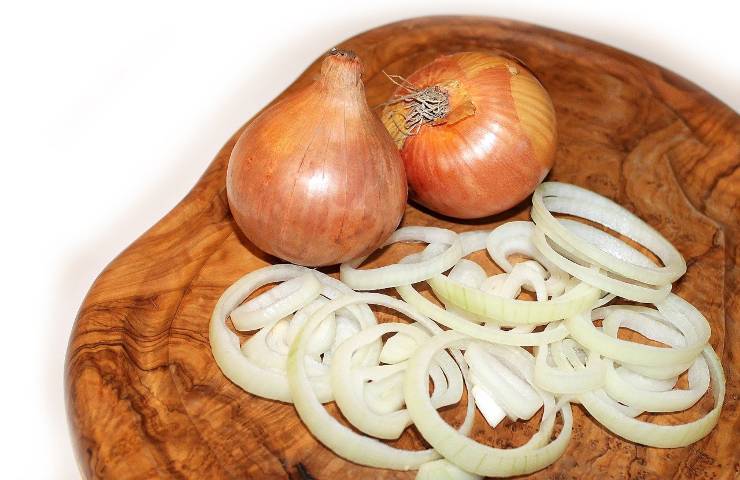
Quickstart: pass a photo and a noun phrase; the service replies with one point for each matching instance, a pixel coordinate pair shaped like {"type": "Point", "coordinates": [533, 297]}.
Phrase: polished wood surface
{"type": "Point", "coordinates": [146, 400]}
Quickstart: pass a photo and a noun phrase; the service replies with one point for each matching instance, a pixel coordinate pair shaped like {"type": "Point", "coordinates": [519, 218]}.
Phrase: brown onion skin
{"type": "Point", "coordinates": [488, 161]}
{"type": "Point", "coordinates": [315, 179]}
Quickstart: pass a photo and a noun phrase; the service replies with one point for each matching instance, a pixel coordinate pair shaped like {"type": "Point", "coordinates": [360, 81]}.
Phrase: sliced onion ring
{"type": "Point", "coordinates": [620, 384]}
{"type": "Point", "coordinates": [473, 241]}
{"type": "Point", "coordinates": [443, 470]}
{"type": "Point", "coordinates": [225, 346]}
{"type": "Point", "coordinates": [468, 273]}
{"type": "Point", "coordinates": [559, 381]}
{"type": "Point", "coordinates": [456, 322]}
{"type": "Point", "coordinates": [592, 276]}
{"type": "Point", "coordinates": [625, 392]}
{"type": "Point", "coordinates": [506, 374]}
{"type": "Point", "coordinates": [512, 312]}
{"type": "Point", "coordinates": [516, 237]}
{"type": "Point", "coordinates": [570, 199]}
{"type": "Point", "coordinates": [347, 383]}
{"type": "Point", "coordinates": [664, 436]}
{"type": "Point", "coordinates": [405, 274]}
{"type": "Point", "coordinates": [465, 452]}
{"type": "Point", "coordinates": [276, 303]}
{"type": "Point", "coordinates": [678, 312]}
{"type": "Point", "coordinates": [329, 431]}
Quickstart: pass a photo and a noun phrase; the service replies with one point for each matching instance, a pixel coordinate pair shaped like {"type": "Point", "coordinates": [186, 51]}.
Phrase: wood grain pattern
{"type": "Point", "coordinates": [146, 400]}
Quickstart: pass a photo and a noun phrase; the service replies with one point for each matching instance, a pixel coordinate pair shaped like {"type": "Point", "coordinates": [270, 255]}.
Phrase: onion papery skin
{"type": "Point", "coordinates": [496, 144]}
{"type": "Point", "coordinates": [315, 179]}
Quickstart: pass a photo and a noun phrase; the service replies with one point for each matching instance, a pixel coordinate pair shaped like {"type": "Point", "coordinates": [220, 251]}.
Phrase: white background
{"type": "Point", "coordinates": [111, 111]}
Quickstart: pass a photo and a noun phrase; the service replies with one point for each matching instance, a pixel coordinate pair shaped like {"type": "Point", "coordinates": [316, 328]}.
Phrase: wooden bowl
{"type": "Point", "coordinates": [146, 400]}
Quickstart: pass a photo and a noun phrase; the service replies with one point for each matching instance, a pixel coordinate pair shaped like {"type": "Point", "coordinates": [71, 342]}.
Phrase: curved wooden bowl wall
{"type": "Point", "coordinates": [145, 399]}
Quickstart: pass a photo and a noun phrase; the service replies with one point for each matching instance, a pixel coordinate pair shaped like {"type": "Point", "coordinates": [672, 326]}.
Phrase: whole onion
{"type": "Point", "coordinates": [476, 132]}
{"type": "Point", "coordinates": [315, 179]}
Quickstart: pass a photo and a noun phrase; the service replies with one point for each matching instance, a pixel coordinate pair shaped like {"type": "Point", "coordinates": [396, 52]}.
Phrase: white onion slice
{"type": "Point", "coordinates": [267, 350]}
{"type": "Point", "coordinates": [279, 302]}
{"type": "Point", "coordinates": [264, 382]}
{"type": "Point", "coordinates": [350, 387]}
{"type": "Point", "coordinates": [652, 324]}
{"type": "Point", "coordinates": [471, 273]}
{"type": "Point", "coordinates": [606, 242]}
{"type": "Point", "coordinates": [430, 251]}
{"type": "Point", "coordinates": [405, 274]}
{"type": "Point", "coordinates": [464, 452]}
{"type": "Point", "coordinates": [398, 348]}
{"type": "Point", "coordinates": [527, 274]}
{"type": "Point", "coordinates": [646, 383]}
{"type": "Point", "coordinates": [506, 311]}
{"type": "Point", "coordinates": [340, 439]}
{"type": "Point", "coordinates": [570, 199]}
{"type": "Point", "coordinates": [495, 306]}
{"type": "Point", "coordinates": [493, 282]}
{"type": "Point", "coordinates": [323, 337]}
{"type": "Point", "coordinates": [473, 241]}
{"type": "Point", "coordinates": [468, 273]}
{"type": "Point", "coordinates": [678, 312]}
{"type": "Point", "coordinates": [264, 349]}
{"type": "Point", "coordinates": [299, 319]}
{"type": "Point", "coordinates": [516, 237]}
{"type": "Point", "coordinates": [667, 372]}
{"type": "Point", "coordinates": [604, 300]}
{"type": "Point", "coordinates": [625, 392]}
{"type": "Point", "coordinates": [346, 328]}
{"type": "Point", "coordinates": [489, 408]}
{"type": "Point", "coordinates": [644, 393]}
{"type": "Point", "coordinates": [483, 332]}
{"type": "Point", "coordinates": [444, 470]}
{"type": "Point", "coordinates": [664, 436]}
{"type": "Point", "coordinates": [562, 381]}
{"type": "Point", "coordinates": [509, 385]}
{"type": "Point", "coordinates": [592, 276]}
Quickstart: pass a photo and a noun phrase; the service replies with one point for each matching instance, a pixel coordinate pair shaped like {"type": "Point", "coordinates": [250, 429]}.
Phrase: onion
{"type": "Point", "coordinates": [593, 276]}
{"type": "Point", "coordinates": [505, 373]}
{"type": "Point", "coordinates": [339, 438]}
{"type": "Point", "coordinates": [483, 332]}
{"type": "Point", "coordinates": [318, 340]}
{"type": "Point", "coordinates": [507, 311]}
{"type": "Point", "coordinates": [444, 470]}
{"type": "Point", "coordinates": [253, 376]}
{"type": "Point", "coordinates": [559, 381]}
{"type": "Point", "coordinates": [476, 133]}
{"type": "Point", "coordinates": [517, 237]}
{"type": "Point", "coordinates": [315, 179]}
{"type": "Point", "coordinates": [465, 452]}
{"type": "Point", "coordinates": [370, 397]}
{"type": "Point", "coordinates": [596, 257]}
{"type": "Point", "coordinates": [665, 436]}
{"type": "Point", "coordinates": [283, 300]}
{"type": "Point", "coordinates": [673, 310]}
{"type": "Point", "coordinates": [410, 271]}
{"type": "Point", "coordinates": [603, 250]}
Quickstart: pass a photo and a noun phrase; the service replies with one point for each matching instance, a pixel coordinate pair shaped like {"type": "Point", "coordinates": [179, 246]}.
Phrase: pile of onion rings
{"type": "Point", "coordinates": [317, 340]}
